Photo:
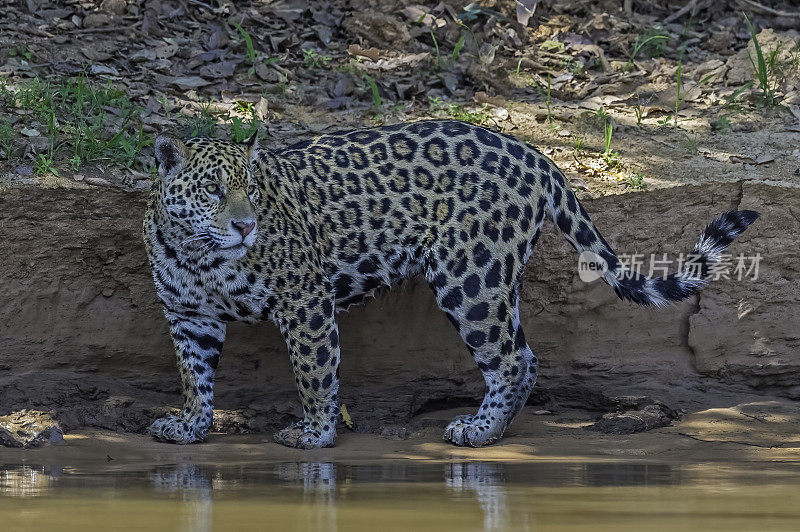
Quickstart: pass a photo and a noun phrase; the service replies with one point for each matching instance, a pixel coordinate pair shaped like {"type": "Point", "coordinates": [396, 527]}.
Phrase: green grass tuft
{"type": "Point", "coordinates": [652, 43]}
{"type": "Point", "coordinates": [248, 42]}
{"type": "Point", "coordinates": [313, 59]}
{"type": "Point", "coordinates": [6, 138]}
{"type": "Point", "coordinates": [457, 48]}
{"type": "Point", "coordinates": [377, 101]}
{"type": "Point", "coordinates": [85, 122]}
{"type": "Point", "coordinates": [636, 181]}
{"type": "Point", "coordinates": [765, 68]}
{"type": "Point", "coordinates": [459, 112]}
{"type": "Point", "coordinates": [544, 93]}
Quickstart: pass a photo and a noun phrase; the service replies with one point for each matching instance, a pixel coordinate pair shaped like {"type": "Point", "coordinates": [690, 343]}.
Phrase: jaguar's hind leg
{"type": "Point", "coordinates": [488, 321]}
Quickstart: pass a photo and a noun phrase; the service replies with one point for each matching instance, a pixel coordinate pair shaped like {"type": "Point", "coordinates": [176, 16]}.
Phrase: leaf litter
{"type": "Point", "coordinates": [558, 74]}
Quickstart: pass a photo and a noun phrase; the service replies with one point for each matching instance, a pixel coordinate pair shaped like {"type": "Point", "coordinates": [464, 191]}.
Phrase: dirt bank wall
{"type": "Point", "coordinates": [83, 335]}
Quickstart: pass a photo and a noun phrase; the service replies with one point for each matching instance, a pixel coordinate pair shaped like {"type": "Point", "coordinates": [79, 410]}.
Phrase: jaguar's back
{"type": "Point", "coordinates": [390, 201]}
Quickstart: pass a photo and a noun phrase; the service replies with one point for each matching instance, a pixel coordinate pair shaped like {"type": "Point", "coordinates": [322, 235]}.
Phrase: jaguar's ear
{"type": "Point", "coordinates": [170, 154]}
{"type": "Point", "coordinates": [250, 144]}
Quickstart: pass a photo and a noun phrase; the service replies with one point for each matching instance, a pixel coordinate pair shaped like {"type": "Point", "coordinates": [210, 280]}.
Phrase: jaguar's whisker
{"type": "Point", "coordinates": [195, 237]}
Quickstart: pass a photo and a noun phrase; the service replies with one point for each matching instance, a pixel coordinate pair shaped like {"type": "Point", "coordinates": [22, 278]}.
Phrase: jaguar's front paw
{"type": "Point", "coordinates": [300, 435]}
{"type": "Point", "coordinates": [174, 429]}
{"type": "Point", "coordinates": [470, 431]}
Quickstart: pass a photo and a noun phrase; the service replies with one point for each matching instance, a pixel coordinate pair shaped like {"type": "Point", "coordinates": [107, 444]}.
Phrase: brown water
{"type": "Point", "coordinates": [402, 495]}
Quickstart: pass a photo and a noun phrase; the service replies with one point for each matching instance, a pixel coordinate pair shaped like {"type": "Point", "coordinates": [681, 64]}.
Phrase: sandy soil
{"type": "Point", "coordinates": [759, 431]}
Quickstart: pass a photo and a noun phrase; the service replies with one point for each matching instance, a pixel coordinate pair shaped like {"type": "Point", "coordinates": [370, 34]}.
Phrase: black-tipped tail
{"type": "Point", "coordinates": [695, 273]}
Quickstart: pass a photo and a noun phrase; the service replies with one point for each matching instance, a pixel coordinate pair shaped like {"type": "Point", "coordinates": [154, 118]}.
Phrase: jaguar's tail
{"type": "Point", "coordinates": [574, 222]}
{"type": "Point", "coordinates": [696, 271]}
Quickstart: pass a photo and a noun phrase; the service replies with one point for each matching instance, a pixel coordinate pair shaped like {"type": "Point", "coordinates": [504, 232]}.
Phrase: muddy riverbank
{"type": "Point", "coordinates": [86, 341]}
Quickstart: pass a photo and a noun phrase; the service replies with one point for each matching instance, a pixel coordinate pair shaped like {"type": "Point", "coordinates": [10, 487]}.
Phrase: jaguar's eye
{"type": "Point", "coordinates": [213, 188]}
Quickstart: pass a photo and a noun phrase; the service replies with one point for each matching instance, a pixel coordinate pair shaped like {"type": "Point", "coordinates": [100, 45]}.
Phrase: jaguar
{"type": "Point", "coordinates": [238, 232]}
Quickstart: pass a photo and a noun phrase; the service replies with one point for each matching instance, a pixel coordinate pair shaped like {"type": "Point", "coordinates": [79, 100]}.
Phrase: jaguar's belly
{"type": "Point", "coordinates": [356, 276]}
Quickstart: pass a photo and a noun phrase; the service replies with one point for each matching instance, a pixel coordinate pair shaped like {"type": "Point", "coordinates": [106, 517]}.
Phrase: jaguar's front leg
{"type": "Point", "coordinates": [198, 342]}
{"type": "Point", "coordinates": [314, 351]}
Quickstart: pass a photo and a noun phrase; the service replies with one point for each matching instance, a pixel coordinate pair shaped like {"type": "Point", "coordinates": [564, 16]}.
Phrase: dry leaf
{"type": "Point", "coordinates": [396, 62]}
{"type": "Point", "coordinates": [103, 69]}
{"type": "Point", "coordinates": [145, 54]}
{"type": "Point", "coordinates": [346, 419]}
{"type": "Point", "coordinates": [95, 55]}
{"type": "Point", "coordinates": [419, 14]}
{"type": "Point", "coordinates": [189, 82]}
{"type": "Point", "coordinates": [261, 108]}
{"type": "Point", "coordinates": [525, 9]}
{"type": "Point", "coordinates": [482, 97]}
{"type": "Point", "coordinates": [289, 10]}
{"type": "Point", "coordinates": [372, 54]}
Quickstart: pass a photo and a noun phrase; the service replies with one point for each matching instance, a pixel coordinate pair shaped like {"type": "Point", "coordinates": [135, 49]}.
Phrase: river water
{"type": "Point", "coordinates": [417, 496]}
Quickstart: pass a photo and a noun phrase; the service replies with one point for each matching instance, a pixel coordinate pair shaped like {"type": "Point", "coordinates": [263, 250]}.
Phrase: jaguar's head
{"type": "Point", "coordinates": [208, 190]}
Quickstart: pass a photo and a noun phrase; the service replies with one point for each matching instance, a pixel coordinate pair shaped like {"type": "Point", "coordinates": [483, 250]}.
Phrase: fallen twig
{"type": "Point", "coordinates": [771, 11]}
{"type": "Point", "coordinates": [108, 29]}
{"type": "Point", "coordinates": [693, 6]}
{"type": "Point", "coordinates": [201, 4]}
{"type": "Point", "coordinates": [736, 442]}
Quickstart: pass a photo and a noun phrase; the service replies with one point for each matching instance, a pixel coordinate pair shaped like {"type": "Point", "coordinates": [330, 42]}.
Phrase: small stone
{"type": "Point", "coordinates": [108, 292]}
{"type": "Point", "coordinates": [24, 170]}
{"type": "Point", "coordinates": [395, 432]}
{"type": "Point", "coordinates": [39, 144]}
{"type": "Point", "coordinates": [650, 417]}
{"type": "Point", "coordinates": [29, 428]}
{"type": "Point", "coordinates": [500, 113]}
{"type": "Point", "coordinates": [564, 133]}
{"type": "Point", "coordinates": [78, 177]}
{"type": "Point", "coordinates": [96, 20]}
{"type": "Point", "coordinates": [98, 181]}
{"type": "Point", "coordinates": [115, 7]}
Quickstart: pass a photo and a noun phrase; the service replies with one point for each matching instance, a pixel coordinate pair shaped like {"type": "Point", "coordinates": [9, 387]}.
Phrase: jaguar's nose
{"type": "Point", "coordinates": [243, 227]}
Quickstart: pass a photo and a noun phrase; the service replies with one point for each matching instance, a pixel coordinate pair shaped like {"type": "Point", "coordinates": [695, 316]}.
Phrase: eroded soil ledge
{"type": "Point", "coordinates": [84, 337]}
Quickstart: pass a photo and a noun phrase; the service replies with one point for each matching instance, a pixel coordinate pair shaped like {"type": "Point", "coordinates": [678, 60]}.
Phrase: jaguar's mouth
{"type": "Point", "coordinates": [235, 247]}
{"type": "Point", "coordinates": [235, 251]}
